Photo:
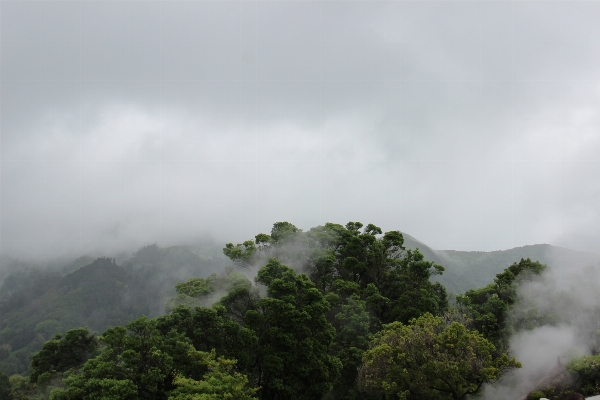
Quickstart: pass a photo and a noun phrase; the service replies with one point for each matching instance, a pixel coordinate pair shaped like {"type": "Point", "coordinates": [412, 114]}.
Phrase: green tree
{"type": "Point", "coordinates": [489, 306]}
{"type": "Point", "coordinates": [293, 360]}
{"type": "Point", "coordinates": [200, 292]}
{"type": "Point", "coordinates": [430, 360]}
{"type": "Point", "coordinates": [23, 389]}
{"type": "Point", "coordinates": [351, 260]}
{"type": "Point", "coordinates": [136, 362]}
{"type": "Point", "coordinates": [62, 353]}
{"type": "Point", "coordinates": [5, 388]}
{"type": "Point", "coordinates": [211, 328]}
{"type": "Point", "coordinates": [241, 254]}
{"type": "Point", "coordinates": [220, 382]}
{"type": "Point", "coordinates": [352, 324]}
{"type": "Point", "coordinates": [366, 275]}
{"type": "Point", "coordinates": [587, 373]}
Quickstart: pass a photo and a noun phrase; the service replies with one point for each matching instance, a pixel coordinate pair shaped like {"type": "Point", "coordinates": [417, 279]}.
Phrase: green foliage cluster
{"type": "Point", "coordinates": [489, 306]}
{"type": "Point", "coordinates": [562, 392]}
{"type": "Point", "coordinates": [303, 339]}
{"type": "Point", "coordinates": [427, 359]}
{"type": "Point", "coordinates": [5, 387]}
{"type": "Point", "coordinates": [220, 382]}
{"type": "Point", "coordinates": [587, 371]}
{"type": "Point", "coordinates": [206, 291]}
{"type": "Point", "coordinates": [62, 353]}
{"type": "Point", "coordinates": [282, 346]}
{"type": "Point", "coordinates": [366, 276]}
{"type": "Point", "coordinates": [37, 304]}
{"type": "Point", "coordinates": [325, 304]}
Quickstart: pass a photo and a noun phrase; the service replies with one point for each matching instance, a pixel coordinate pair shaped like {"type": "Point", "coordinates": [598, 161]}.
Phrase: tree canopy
{"type": "Point", "coordinates": [489, 306]}
{"type": "Point", "coordinates": [366, 276]}
{"type": "Point", "coordinates": [338, 312]}
{"type": "Point", "coordinates": [427, 359]}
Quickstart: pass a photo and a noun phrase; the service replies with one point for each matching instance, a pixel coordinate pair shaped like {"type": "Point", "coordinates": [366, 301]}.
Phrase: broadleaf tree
{"type": "Point", "coordinates": [428, 359]}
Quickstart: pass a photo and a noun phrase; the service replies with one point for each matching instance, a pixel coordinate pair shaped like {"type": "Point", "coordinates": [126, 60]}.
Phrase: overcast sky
{"type": "Point", "coordinates": [469, 125]}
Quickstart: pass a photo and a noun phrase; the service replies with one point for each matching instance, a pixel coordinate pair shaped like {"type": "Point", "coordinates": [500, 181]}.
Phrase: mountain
{"type": "Point", "coordinates": [473, 269]}
{"type": "Point", "coordinates": [35, 304]}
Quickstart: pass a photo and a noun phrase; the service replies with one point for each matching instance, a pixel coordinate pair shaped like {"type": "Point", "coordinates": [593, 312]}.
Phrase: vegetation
{"type": "Point", "coordinates": [35, 305]}
{"type": "Point", "coordinates": [220, 382]}
{"type": "Point", "coordinates": [336, 312]}
{"type": "Point", "coordinates": [587, 371]}
{"type": "Point", "coordinates": [489, 305]}
{"type": "Point", "coordinates": [427, 359]}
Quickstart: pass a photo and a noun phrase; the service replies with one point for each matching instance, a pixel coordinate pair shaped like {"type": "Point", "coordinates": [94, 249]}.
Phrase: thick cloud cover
{"type": "Point", "coordinates": [470, 125]}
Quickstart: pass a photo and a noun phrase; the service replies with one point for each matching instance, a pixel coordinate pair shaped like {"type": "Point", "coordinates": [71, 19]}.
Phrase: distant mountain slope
{"type": "Point", "coordinates": [472, 269]}
{"type": "Point", "coordinates": [37, 304]}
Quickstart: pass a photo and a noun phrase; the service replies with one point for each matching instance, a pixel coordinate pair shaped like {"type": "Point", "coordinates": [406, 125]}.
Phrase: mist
{"type": "Point", "coordinates": [558, 316]}
{"type": "Point", "coordinates": [470, 125]}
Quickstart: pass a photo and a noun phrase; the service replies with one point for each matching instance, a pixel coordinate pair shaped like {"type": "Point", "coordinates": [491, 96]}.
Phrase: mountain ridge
{"type": "Point", "coordinates": [466, 270]}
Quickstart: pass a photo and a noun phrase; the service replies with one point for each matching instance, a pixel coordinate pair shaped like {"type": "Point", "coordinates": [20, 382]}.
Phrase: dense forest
{"type": "Point", "coordinates": [336, 312]}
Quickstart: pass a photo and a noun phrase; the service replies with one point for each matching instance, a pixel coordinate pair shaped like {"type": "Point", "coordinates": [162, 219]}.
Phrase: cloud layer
{"type": "Point", "coordinates": [470, 125]}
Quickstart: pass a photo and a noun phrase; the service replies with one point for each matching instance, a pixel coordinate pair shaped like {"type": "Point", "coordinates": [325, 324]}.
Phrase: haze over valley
{"type": "Point", "coordinates": [176, 181]}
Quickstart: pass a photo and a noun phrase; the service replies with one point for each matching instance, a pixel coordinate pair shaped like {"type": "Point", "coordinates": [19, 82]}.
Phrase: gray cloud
{"type": "Point", "coordinates": [470, 125]}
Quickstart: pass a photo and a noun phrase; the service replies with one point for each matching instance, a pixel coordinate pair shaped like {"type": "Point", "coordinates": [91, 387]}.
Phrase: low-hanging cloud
{"type": "Point", "coordinates": [468, 125]}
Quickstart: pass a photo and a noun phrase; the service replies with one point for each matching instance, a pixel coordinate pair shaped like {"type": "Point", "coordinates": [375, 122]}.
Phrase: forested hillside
{"type": "Point", "coordinates": [472, 269]}
{"type": "Point", "coordinates": [36, 304]}
{"type": "Point", "coordinates": [336, 312]}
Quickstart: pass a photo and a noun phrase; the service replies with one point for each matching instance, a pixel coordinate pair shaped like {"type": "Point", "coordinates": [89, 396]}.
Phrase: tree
{"type": "Point", "coordinates": [5, 388]}
{"type": "Point", "coordinates": [352, 338]}
{"type": "Point", "coordinates": [211, 328]}
{"type": "Point", "coordinates": [23, 389]}
{"type": "Point", "coordinates": [198, 292]}
{"type": "Point", "coordinates": [294, 336]}
{"type": "Point", "coordinates": [587, 373]}
{"type": "Point", "coordinates": [241, 254]}
{"type": "Point", "coordinates": [429, 360]}
{"type": "Point", "coordinates": [489, 305]}
{"type": "Point", "coordinates": [62, 353]}
{"type": "Point", "coordinates": [220, 382]}
{"type": "Point", "coordinates": [136, 362]}
{"type": "Point", "coordinates": [367, 277]}
{"type": "Point", "coordinates": [352, 260]}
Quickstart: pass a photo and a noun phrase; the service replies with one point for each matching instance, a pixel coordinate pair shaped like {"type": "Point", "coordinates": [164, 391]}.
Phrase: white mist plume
{"type": "Point", "coordinates": [563, 304]}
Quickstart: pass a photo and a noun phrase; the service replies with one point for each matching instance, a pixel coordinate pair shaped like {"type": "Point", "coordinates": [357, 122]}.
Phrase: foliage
{"type": "Point", "coordinates": [283, 344]}
{"type": "Point", "coordinates": [211, 328]}
{"type": "Point", "coordinates": [136, 362]}
{"type": "Point", "coordinates": [36, 304]}
{"type": "Point", "coordinates": [428, 360]}
{"type": "Point", "coordinates": [302, 331]}
{"type": "Point", "coordinates": [365, 274]}
{"type": "Point", "coordinates": [23, 389]}
{"type": "Point", "coordinates": [5, 388]}
{"type": "Point", "coordinates": [62, 353]}
{"type": "Point", "coordinates": [220, 382]}
{"type": "Point", "coordinates": [394, 283]}
{"type": "Point", "coordinates": [536, 395]}
{"type": "Point", "coordinates": [197, 287]}
{"type": "Point", "coordinates": [352, 338]}
{"type": "Point", "coordinates": [198, 292]}
{"type": "Point", "coordinates": [587, 370]}
{"type": "Point", "coordinates": [294, 336]}
{"type": "Point", "coordinates": [489, 305]}
{"type": "Point", "coordinates": [241, 254]}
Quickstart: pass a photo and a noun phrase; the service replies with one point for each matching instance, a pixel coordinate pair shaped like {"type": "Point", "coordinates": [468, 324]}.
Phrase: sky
{"type": "Point", "coordinates": [470, 125]}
